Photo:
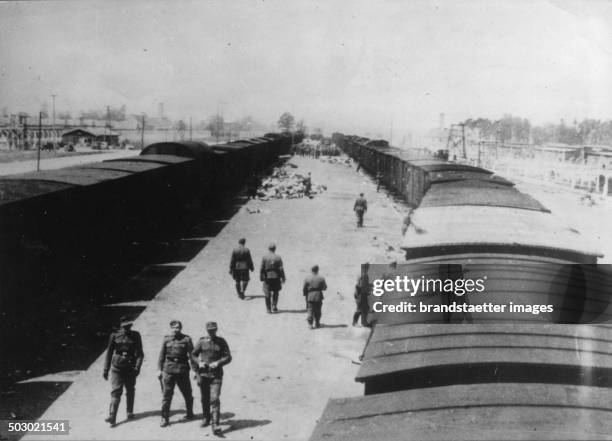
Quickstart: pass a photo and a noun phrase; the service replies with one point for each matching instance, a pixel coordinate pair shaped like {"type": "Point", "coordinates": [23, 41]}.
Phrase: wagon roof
{"type": "Point", "coordinates": [475, 411]}
{"type": "Point", "coordinates": [234, 146]}
{"type": "Point", "coordinates": [432, 165]}
{"type": "Point", "coordinates": [153, 158]}
{"type": "Point", "coordinates": [486, 225]}
{"type": "Point", "coordinates": [398, 348]}
{"type": "Point", "coordinates": [189, 149]}
{"type": "Point", "coordinates": [126, 166]}
{"type": "Point", "coordinates": [479, 192]}
{"type": "Point", "coordinates": [80, 175]}
{"type": "Point", "coordinates": [15, 189]}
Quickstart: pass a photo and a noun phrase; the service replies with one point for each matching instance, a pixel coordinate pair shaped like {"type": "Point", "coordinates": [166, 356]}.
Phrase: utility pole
{"type": "Point", "coordinates": [53, 126]}
{"type": "Point", "coordinates": [219, 103]}
{"type": "Point", "coordinates": [463, 140]}
{"type": "Point", "coordinates": [25, 131]}
{"type": "Point", "coordinates": [142, 128]}
{"type": "Point", "coordinates": [455, 143]}
{"type": "Point", "coordinates": [108, 127]}
{"type": "Point", "coordinates": [190, 129]}
{"type": "Point", "coordinates": [39, 140]}
{"type": "Point", "coordinates": [217, 119]}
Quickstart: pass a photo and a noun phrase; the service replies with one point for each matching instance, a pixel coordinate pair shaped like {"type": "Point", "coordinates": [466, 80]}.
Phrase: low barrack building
{"type": "Point", "coordinates": [90, 136]}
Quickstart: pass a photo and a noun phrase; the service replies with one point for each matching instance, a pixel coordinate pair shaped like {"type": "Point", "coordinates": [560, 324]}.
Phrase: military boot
{"type": "Point", "coordinates": [275, 302]}
{"type": "Point", "coordinates": [165, 417]}
{"type": "Point", "coordinates": [112, 413]}
{"type": "Point", "coordinates": [129, 404]}
{"type": "Point", "coordinates": [189, 407]}
{"type": "Point", "coordinates": [216, 429]}
{"type": "Point", "coordinates": [205, 415]}
{"type": "Point", "coordinates": [268, 305]}
{"type": "Point", "coordinates": [239, 291]}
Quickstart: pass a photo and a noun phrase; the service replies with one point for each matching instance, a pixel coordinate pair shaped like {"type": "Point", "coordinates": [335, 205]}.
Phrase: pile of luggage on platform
{"type": "Point", "coordinates": [285, 184]}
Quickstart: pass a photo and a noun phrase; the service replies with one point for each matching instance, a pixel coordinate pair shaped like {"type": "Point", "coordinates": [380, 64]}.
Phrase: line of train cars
{"type": "Point", "coordinates": [487, 375]}
{"type": "Point", "coordinates": [81, 210]}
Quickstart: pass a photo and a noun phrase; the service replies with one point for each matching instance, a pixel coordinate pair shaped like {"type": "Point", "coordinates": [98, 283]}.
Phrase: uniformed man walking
{"type": "Point", "coordinates": [175, 358]}
{"type": "Point", "coordinates": [362, 291]}
{"type": "Point", "coordinates": [272, 274]}
{"type": "Point", "coordinates": [252, 185]}
{"type": "Point", "coordinates": [360, 207]}
{"type": "Point", "coordinates": [240, 265]}
{"type": "Point", "coordinates": [314, 285]}
{"type": "Point", "coordinates": [212, 353]}
{"type": "Point", "coordinates": [307, 185]}
{"type": "Point", "coordinates": [123, 358]}
{"type": "Point", "coordinates": [379, 177]}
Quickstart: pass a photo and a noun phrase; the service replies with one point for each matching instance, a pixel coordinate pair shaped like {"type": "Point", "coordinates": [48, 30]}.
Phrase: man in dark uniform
{"type": "Point", "coordinates": [272, 274]}
{"type": "Point", "coordinates": [379, 177]}
{"type": "Point", "coordinates": [407, 220]}
{"type": "Point", "coordinates": [362, 291]}
{"type": "Point", "coordinates": [307, 185]}
{"type": "Point", "coordinates": [360, 207]}
{"type": "Point", "coordinates": [252, 185]}
{"type": "Point", "coordinates": [314, 285]}
{"type": "Point", "coordinates": [123, 358]}
{"type": "Point", "coordinates": [240, 265]}
{"type": "Point", "coordinates": [212, 353]}
{"type": "Point", "coordinates": [174, 359]}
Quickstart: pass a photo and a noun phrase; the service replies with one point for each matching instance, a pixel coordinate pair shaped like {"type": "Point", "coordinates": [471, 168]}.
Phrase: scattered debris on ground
{"type": "Point", "coordinates": [284, 184]}
{"type": "Point", "coordinates": [344, 160]}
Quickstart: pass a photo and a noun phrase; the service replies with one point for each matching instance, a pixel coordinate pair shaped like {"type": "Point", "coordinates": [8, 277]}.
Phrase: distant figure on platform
{"type": "Point", "coordinates": [379, 177]}
{"type": "Point", "coordinates": [272, 274]}
{"type": "Point", "coordinates": [240, 265]}
{"type": "Point", "coordinates": [123, 358]}
{"type": "Point", "coordinates": [175, 358]}
{"type": "Point", "coordinates": [307, 184]}
{"type": "Point", "coordinates": [314, 285]}
{"type": "Point", "coordinates": [407, 220]}
{"type": "Point", "coordinates": [212, 353]}
{"type": "Point", "coordinates": [362, 291]}
{"type": "Point", "coordinates": [252, 186]}
{"type": "Point", "coordinates": [360, 207]}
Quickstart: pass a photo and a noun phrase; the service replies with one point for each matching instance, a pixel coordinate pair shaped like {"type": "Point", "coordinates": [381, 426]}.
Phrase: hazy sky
{"type": "Point", "coordinates": [338, 64]}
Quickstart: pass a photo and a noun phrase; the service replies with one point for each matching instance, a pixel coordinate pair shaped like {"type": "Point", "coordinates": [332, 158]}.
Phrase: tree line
{"type": "Point", "coordinates": [515, 129]}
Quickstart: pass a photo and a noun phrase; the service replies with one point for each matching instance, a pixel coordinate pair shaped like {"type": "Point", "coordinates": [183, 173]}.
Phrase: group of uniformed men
{"type": "Point", "coordinates": [178, 355]}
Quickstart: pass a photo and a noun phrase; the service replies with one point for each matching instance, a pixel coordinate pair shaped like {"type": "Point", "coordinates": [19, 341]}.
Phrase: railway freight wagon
{"type": "Point", "coordinates": [49, 217]}
{"type": "Point", "coordinates": [438, 374]}
{"type": "Point", "coordinates": [399, 169]}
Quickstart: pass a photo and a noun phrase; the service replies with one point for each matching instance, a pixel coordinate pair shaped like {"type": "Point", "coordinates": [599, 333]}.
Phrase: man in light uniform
{"type": "Point", "coordinates": [314, 285]}
{"type": "Point", "coordinates": [272, 274]}
{"type": "Point", "coordinates": [212, 353]}
{"type": "Point", "coordinates": [360, 207]}
{"type": "Point", "coordinates": [124, 357]}
{"type": "Point", "coordinates": [174, 361]}
{"type": "Point", "coordinates": [240, 265]}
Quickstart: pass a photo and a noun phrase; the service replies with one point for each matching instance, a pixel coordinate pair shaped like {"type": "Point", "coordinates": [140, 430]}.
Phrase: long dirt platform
{"type": "Point", "coordinates": [283, 373]}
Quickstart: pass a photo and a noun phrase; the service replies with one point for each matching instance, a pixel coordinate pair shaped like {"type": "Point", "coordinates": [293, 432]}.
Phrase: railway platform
{"type": "Point", "coordinates": [282, 373]}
